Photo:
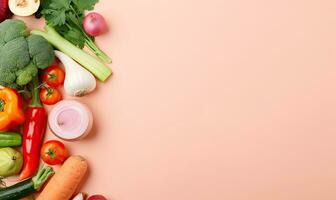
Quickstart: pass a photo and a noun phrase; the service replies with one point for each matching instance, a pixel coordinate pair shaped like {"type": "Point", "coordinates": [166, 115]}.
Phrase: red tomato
{"type": "Point", "coordinates": [50, 96]}
{"type": "Point", "coordinates": [53, 76]}
{"type": "Point", "coordinates": [53, 152]}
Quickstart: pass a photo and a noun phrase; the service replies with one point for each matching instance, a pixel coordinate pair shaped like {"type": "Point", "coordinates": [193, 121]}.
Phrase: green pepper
{"type": "Point", "coordinates": [10, 139]}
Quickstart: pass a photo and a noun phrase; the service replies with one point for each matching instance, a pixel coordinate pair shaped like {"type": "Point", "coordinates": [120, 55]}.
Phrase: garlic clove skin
{"type": "Point", "coordinates": [78, 81]}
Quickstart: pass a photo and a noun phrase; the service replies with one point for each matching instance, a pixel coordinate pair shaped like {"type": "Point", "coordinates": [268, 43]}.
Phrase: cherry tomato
{"type": "Point", "coordinates": [53, 75]}
{"type": "Point", "coordinates": [53, 152]}
{"type": "Point", "coordinates": [50, 96]}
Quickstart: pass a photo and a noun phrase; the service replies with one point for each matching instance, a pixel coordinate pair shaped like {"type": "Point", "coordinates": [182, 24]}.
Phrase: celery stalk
{"type": "Point", "coordinates": [97, 68]}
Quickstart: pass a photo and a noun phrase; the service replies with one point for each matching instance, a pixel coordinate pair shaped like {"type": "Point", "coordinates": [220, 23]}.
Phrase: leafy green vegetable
{"type": "Point", "coordinates": [21, 55]}
{"type": "Point", "coordinates": [96, 67]}
{"type": "Point", "coordinates": [66, 17]}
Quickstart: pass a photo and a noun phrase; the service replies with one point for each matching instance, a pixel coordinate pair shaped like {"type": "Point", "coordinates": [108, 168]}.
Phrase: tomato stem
{"type": "Point", "coordinates": [50, 91]}
{"type": "Point", "coordinates": [51, 154]}
{"type": "Point", "coordinates": [51, 76]}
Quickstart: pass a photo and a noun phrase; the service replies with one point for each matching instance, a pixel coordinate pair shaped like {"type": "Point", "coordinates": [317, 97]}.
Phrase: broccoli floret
{"type": "Point", "coordinates": [25, 75]}
{"type": "Point", "coordinates": [14, 54]}
{"type": "Point", "coordinates": [7, 78]}
{"type": "Point", "coordinates": [41, 56]}
{"type": "Point", "coordinates": [21, 55]}
{"type": "Point", "coordinates": [11, 29]}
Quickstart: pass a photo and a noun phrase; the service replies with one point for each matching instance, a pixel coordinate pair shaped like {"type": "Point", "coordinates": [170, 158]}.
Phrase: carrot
{"type": "Point", "coordinates": [64, 183]}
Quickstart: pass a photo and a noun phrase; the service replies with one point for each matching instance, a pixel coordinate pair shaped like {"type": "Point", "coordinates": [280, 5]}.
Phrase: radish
{"type": "Point", "coordinates": [4, 10]}
{"type": "Point", "coordinates": [94, 24]}
{"type": "Point", "coordinates": [97, 197]}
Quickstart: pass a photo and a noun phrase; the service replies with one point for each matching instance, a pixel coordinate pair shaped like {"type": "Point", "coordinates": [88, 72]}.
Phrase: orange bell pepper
{"type": "Point", "coordinates": [11, 112]}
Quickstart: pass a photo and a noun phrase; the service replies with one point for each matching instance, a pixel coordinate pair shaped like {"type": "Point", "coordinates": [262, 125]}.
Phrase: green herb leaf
{"type": "Point", "coordinates": [54, 17]}
{"type": "Point", "coordinates": [59, 19]}
{"type": "Point", "coordinates": [73, 20]}
{"type": "Point", "coordinates": [76, 37]}
{"type": "Point", "coordinates": [84, 5]}
{"type": "Point", "coordinates": [60, 4]}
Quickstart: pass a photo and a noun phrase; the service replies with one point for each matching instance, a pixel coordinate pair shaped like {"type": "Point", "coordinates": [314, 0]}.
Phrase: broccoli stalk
{"type": "Point", "coordinates": [96, 67]}
{"type": "Point", "coordinates": [36, 102]}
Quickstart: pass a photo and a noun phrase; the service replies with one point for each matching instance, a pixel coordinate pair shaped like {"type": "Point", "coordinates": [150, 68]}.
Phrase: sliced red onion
{"type": "Point", "coordinates": [70, 120]}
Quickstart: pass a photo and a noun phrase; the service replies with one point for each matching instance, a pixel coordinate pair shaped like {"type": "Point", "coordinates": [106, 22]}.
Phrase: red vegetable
{"type": "Point", "coordinates": [54, 152]}
{"type": "Point", "coordinates": [4, 10]}
{"type": "Point", "coordinates": [33, 133]}
{"type": "Point", "coordinates": [97, 197]}
{"type": "Point", "coordinates": [94, 24]}
{"type": "Point", "coordinates": [53, 76]}
{"type": "Point", "coordinates": [50, 96]}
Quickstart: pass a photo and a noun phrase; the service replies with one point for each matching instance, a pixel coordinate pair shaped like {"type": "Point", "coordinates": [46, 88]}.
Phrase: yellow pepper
{"type": "Point", "coordinates": [11, 112]}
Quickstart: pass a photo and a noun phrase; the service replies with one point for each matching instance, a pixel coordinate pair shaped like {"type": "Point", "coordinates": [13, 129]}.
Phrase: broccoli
{"type": "Point", "coordinates": [21, 54]}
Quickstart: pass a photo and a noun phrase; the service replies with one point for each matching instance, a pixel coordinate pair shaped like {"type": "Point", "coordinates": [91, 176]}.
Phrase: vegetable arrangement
{"type": "Point", "coordinates": [33, 68]}
{"type": "Point", "coordinates": [66, 17]}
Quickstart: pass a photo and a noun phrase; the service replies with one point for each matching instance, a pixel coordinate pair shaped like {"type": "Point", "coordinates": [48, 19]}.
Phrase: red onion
{"type": "Point", "coordinates": [94, 24]}
{"type": "Point", "coordinates": [70, 120]}
{"type": "Point", "coordinates": [97, 197]}
{"type": "Point", "coordinates": [4, 10]}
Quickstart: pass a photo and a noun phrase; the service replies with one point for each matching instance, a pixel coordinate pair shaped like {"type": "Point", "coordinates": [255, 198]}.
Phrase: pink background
{"type": "Point", "coordinates": [216, 99]}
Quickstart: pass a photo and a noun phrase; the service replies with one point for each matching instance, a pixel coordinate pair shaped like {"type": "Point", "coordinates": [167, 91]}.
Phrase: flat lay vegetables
{"type": "Point", "coordinates": [31, 77]}
{"type": "Point", "coordinates": [54, 152]}
{"type": "Point", "coordinates": [33, 133]}
{"type": "Point", "coordinates": [10, 162]}
{"type": "Point", "coordinates": [97, 68]}
{"type": "Point", "coordinates": [21, 54]}
{"type": "Point", "coordinates": [66, 17]}
{"type": "Point", "coordinates": [10, 139]}
{"type": "Point", "coordinates": [27, 187]}
{"type": "Point", "coordinates": [65, 182]}
{"type": "Point", "coordinates": [11, 112]}
{"type": "Point", "coordinates": [78, 81]}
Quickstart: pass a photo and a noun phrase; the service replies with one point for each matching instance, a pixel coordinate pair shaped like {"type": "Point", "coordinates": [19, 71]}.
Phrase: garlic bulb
{"type": "Point", "coordinates": [78, 81]}
{"type": "Point", "coordinates": [79, 196]}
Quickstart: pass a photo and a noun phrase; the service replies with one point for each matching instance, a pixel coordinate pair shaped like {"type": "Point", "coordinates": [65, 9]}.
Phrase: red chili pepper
{"type": "Point", "coordinates": [33, 133]}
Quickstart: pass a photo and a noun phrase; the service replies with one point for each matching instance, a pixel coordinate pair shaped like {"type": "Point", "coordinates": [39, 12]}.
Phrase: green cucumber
{"type": "Point", "coordinates": [10, 139]}
{"type": "Point", "coordinates": [27, 187]}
